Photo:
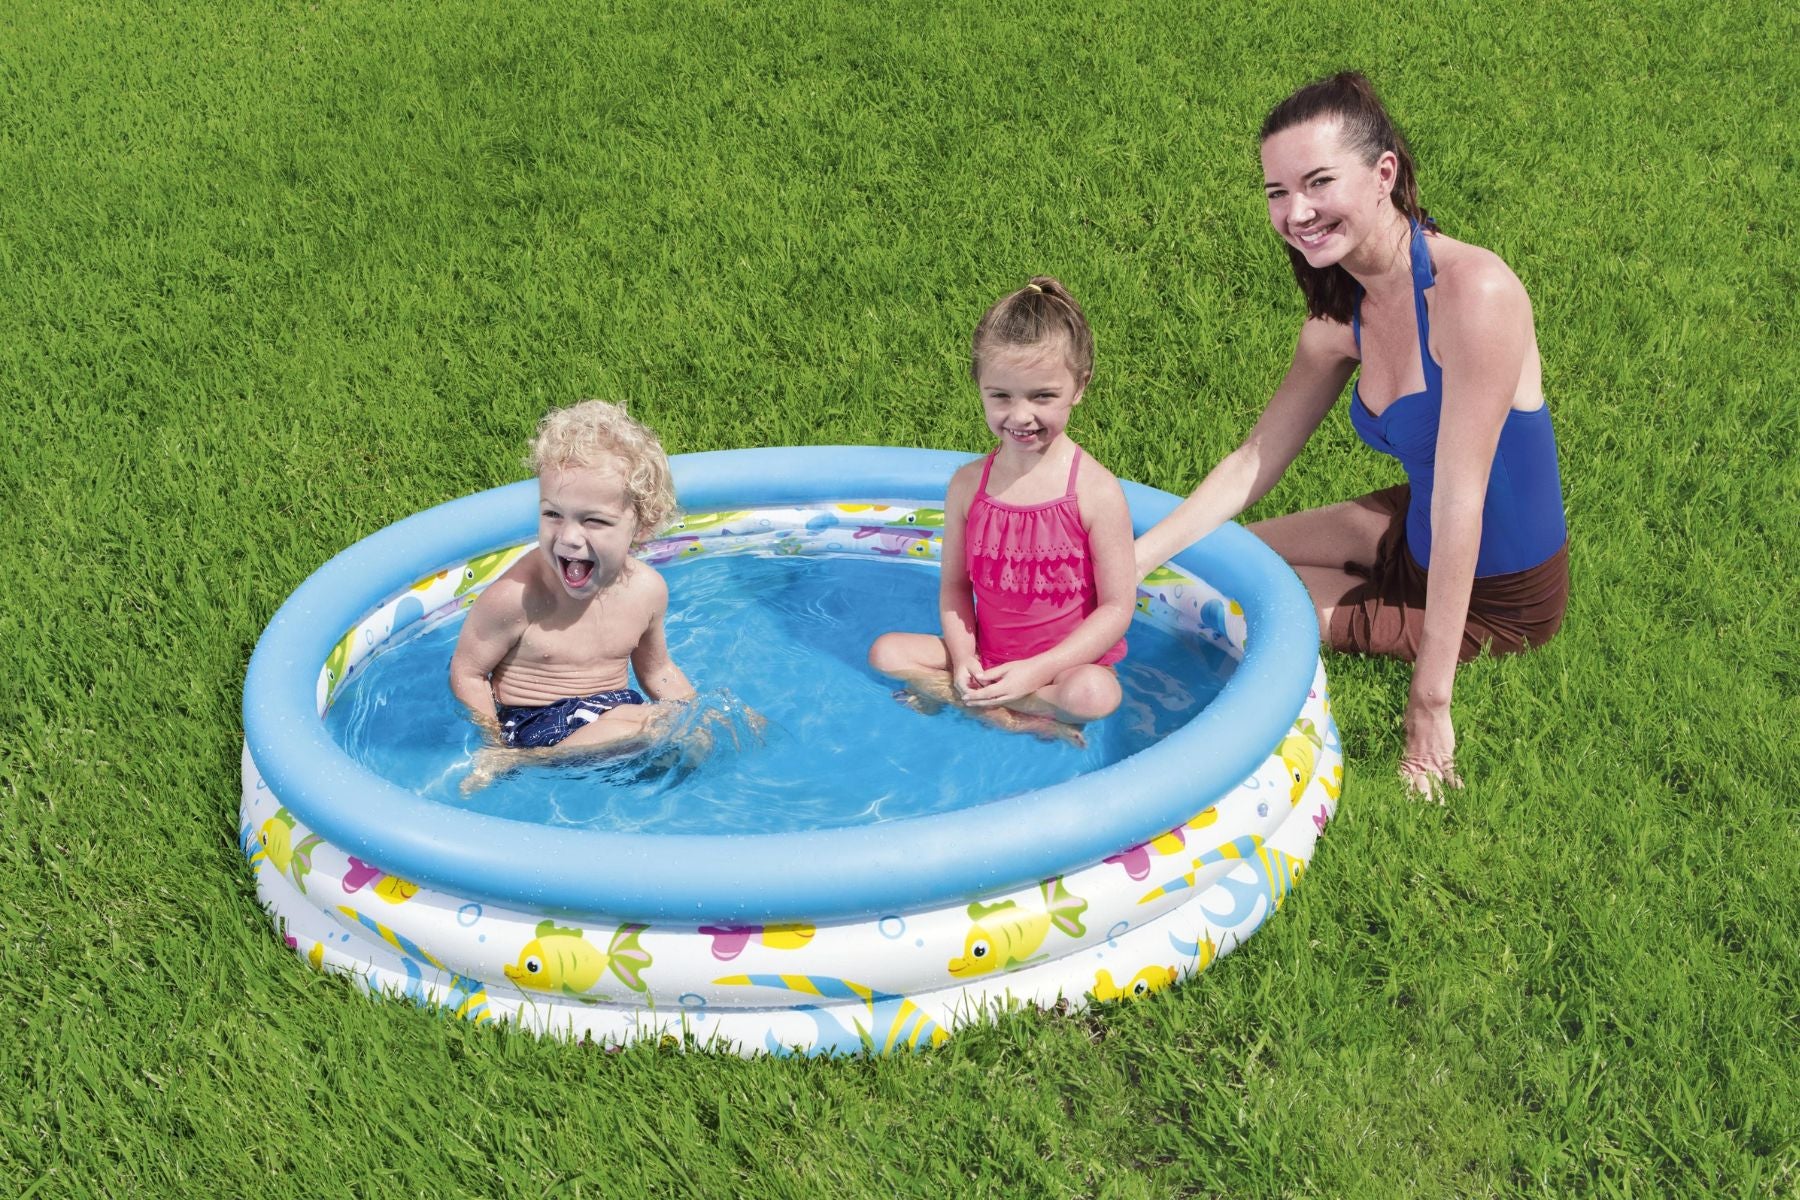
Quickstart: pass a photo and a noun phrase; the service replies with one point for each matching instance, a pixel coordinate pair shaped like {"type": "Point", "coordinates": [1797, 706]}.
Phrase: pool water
{"type": "Point", "coordinates": [787, 637]}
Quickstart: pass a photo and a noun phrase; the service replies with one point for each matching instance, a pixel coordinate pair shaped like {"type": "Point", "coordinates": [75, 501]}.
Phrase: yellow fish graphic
{"type": "Point", "coordinates": [1277, 870]}
{"type": "Point", "coordinates": [1299, 750]}
{"type": "Point", "coordinates": [480, 569]}
{"type": "Point", "coordinates": [1151, 979]}
{"type": "Point", "coordinates": [337, 663]}
{"type": "Point", "coordinates": [291, 859]}
{"type": "Point", "coordinates": [1006, 936]}
{"type": "Point", "coordinates": [562, 960]}
{"type": "Point", "coordinates": [1162, 577]}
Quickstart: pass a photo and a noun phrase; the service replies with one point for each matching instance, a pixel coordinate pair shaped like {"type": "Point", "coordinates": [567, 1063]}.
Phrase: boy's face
{"type": "Point", "coordinates": [586, 526]}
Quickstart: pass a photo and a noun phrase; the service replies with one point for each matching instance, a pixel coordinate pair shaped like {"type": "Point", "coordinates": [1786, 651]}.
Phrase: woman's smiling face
{"type": "Point", "coordinates": [1323, 200]}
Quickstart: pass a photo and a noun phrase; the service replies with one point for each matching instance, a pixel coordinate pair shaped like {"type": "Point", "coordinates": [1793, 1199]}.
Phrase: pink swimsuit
{"type": "Point", "coordinates": [1034, 581]}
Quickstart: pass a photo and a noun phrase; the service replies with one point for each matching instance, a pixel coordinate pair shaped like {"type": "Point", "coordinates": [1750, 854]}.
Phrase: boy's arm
{"type": "Point", "coordinates": [490, 631]}
{"type": "Point", "coordinates": [656, 671]}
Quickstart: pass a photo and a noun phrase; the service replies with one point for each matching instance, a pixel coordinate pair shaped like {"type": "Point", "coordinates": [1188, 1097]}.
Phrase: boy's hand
{"type": "Point", "coordinates": [489, 724]}
{"type": "Point", "coordinates": [1008, 682]}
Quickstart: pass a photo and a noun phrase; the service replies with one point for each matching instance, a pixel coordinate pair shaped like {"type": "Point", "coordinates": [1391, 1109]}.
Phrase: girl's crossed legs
{"type": "Point", "coordinates": [1076, 696]}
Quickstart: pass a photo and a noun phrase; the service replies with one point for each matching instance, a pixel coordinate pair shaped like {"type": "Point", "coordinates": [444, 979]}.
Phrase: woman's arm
{"type": "Point", "coordinates": [1324, 357]}
{"type": "Point", "coordinates": [1483, 331]}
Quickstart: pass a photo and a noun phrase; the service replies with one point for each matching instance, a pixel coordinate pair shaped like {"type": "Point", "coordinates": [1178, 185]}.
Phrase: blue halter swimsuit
{"type": "Point", "coordinates": [1522, 522]}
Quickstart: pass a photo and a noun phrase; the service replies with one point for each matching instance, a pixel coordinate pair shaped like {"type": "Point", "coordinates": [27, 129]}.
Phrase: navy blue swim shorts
{"type": "Point", "coordinates": [527, 727]}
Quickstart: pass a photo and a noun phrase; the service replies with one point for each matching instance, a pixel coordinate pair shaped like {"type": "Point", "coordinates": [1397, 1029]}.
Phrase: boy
{"type": "Point", "coordinates": [542, 659]}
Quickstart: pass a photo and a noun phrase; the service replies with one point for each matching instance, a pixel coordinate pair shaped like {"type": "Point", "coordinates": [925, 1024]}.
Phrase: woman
{"type": "Point", "coordinates": [1472, 550]}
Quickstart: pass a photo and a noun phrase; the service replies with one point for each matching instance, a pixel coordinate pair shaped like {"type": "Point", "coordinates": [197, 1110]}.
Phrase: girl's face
{"type": "Point", "coordinates": [1027, 394]}
{"type": "Point", "coordinates": [1323, 200]}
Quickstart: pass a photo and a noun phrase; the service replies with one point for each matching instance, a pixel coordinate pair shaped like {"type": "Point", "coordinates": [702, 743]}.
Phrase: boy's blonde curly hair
{"type": "Point", "coordinates": [589, 433]}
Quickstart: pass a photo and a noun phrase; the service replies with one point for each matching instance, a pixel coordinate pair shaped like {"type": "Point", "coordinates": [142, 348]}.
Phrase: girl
{"type": "Point", "coordinates": [1472, 550]}
{"type": "Point", "coordinates": [1037, 585]}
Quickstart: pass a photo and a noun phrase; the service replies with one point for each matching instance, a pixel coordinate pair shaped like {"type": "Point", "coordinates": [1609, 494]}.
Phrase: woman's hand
{"type": "Point", "coordinates": [1007, 682]}
{"type": "Point", "coordinates": [1142, 565]}
{"type": "Point", "coordinates": [1428, 764]}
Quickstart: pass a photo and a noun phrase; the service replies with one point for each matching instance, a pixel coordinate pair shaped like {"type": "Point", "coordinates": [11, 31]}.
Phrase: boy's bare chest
{"type": "Point", "coordinates": [609, 629]}
{"type": "Point", "coordinates": [594, 635]}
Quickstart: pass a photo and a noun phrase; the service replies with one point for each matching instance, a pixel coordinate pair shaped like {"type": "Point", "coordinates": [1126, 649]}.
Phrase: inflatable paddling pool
{"type": "Point", "coordinates": [1109, 885]}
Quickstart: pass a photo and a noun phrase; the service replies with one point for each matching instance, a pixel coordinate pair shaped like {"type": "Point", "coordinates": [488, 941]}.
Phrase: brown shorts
{"type": "Point", "coordinates": [1507, 613]}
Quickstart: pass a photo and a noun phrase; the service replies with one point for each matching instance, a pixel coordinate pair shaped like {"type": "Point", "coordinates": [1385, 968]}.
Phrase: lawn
{"type": "Point", "coordinates": [275, 275]}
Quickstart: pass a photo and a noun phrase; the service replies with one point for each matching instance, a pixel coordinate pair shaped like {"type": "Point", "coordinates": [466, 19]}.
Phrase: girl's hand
{"type": "Point", "coordinates": [1008, 682]}
{"type": "Point", "coordinates": [966, 677]}
{"type": "Point", "coordinates": [1428, 765]}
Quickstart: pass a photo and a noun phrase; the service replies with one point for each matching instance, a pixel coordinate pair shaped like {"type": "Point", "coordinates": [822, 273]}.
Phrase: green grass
{"type": "Point", "coordinates": [273, 276]}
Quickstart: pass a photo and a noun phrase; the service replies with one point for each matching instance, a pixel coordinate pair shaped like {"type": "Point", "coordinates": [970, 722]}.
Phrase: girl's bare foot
{"type": "Point", "coordinates": [926, 706]}
{"type": "Point", "coordinates": [1050, 729]}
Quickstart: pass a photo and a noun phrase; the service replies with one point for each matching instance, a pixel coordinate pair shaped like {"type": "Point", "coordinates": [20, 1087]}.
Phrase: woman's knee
{"type": "Point", "coordinates": [1346, 532]}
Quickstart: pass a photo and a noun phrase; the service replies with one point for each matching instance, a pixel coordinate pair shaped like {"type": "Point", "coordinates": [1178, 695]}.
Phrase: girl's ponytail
{"type": "Point", "coordinates": [1039, 312]}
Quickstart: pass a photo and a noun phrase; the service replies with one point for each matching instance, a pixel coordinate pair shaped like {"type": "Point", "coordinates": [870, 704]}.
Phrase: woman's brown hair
{"type": "Point", "coordinates": [1367, 131]}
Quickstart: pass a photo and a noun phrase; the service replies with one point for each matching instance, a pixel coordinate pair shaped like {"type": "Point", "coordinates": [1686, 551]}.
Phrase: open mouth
{"type": "Point", "coordinates": [1314, 238]}
{"type": "Point", "coordinates": [1022, 435]}
{"type": "Point", "coordinates": [575, 571]}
